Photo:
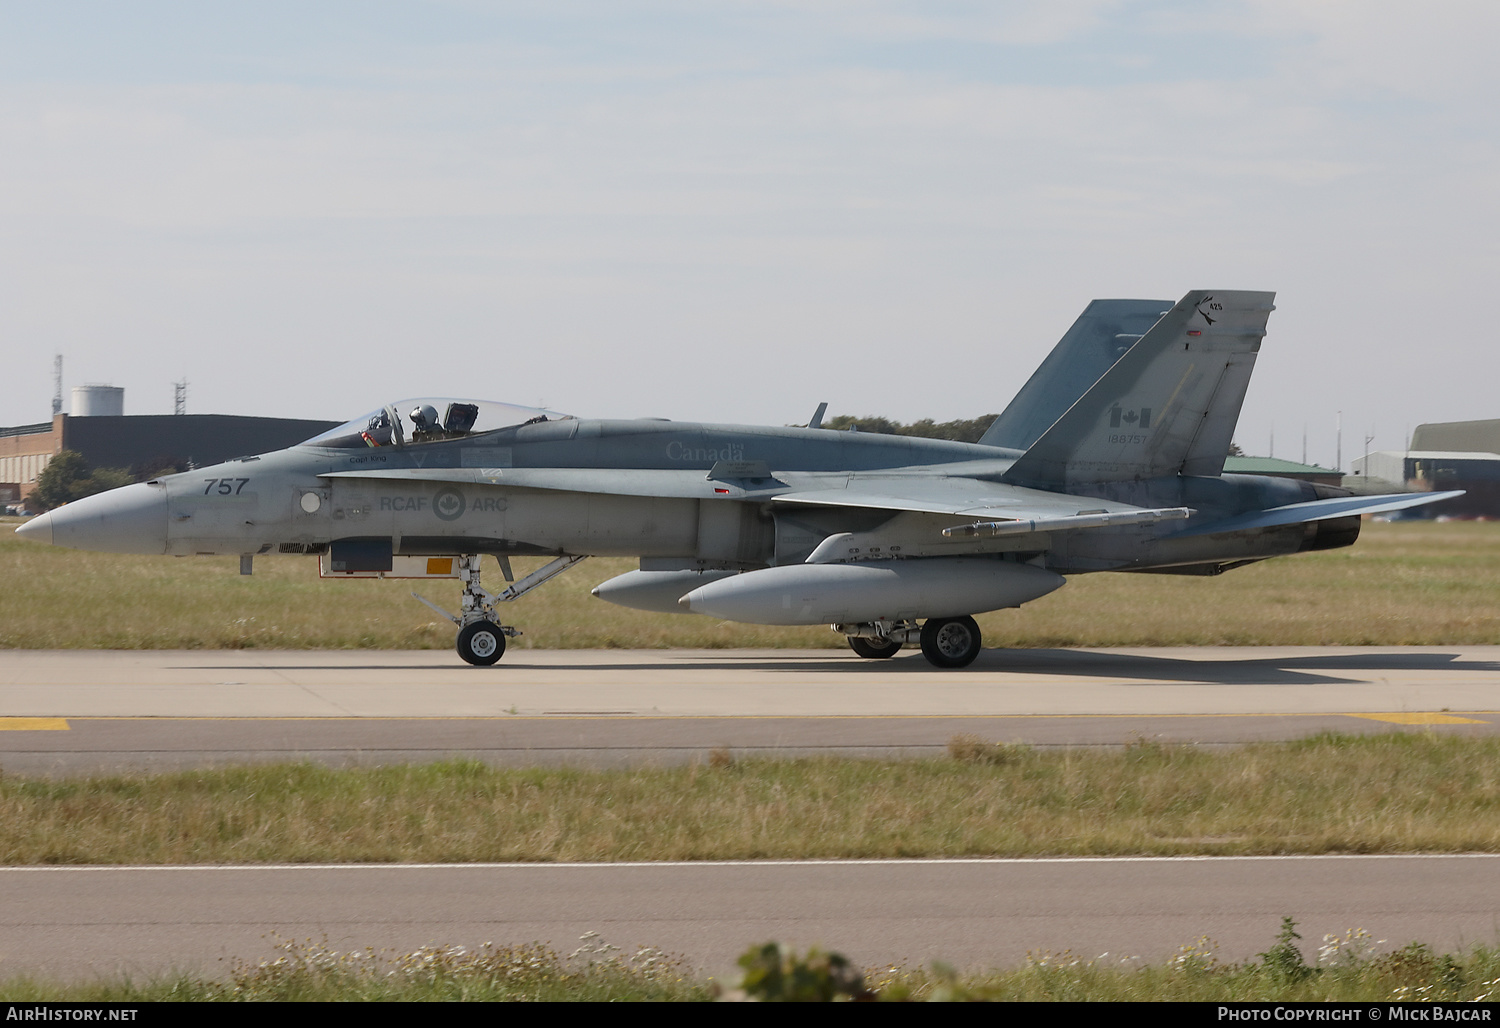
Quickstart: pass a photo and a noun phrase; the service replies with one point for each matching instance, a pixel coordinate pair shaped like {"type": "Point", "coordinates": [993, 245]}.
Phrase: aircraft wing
{"type": "Point", "coordinates": [992, 508]}
{"type": "Point", "coordinates": [995, 509]}
{"type": "Point", "coordinates": [1317, 510]}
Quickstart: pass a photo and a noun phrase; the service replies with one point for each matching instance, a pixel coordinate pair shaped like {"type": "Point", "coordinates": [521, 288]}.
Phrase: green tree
{"type": "Point", "coordinates": [848, 422]}
{"type": "Point", "coordinates": [964, 430]}
{"type": "Point", "coordinates": [158, 466]}
{"type": "Point", "coordinates": [68, 477]}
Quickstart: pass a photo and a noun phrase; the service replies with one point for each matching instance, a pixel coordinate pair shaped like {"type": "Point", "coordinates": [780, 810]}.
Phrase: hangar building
{"type": "Point", "coordinates": [121, 441]}
{"type": "Point", "coordinates": [1445, 455]}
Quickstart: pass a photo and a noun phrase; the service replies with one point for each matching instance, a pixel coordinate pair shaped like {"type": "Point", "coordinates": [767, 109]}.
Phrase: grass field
{"type": "Point", "coordinates": [1392, 793]}
{"type": "Point", "coordinates": [1402, 583]}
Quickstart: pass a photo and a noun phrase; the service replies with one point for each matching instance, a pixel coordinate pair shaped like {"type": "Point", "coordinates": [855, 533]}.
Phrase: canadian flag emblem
{"type": "Point", "coordinates": [1137, 418]}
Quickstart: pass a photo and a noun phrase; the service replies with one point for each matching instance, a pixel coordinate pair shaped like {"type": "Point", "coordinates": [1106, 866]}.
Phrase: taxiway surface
{"type": "Point", "coordinates": [73, 711]}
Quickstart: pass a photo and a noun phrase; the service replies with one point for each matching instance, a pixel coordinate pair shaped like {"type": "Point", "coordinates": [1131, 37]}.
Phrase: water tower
{"type": "Point", "coordinates": [98, 401]}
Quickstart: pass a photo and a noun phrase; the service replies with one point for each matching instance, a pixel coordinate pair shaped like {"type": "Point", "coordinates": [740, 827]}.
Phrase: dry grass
{"type": "Point", "coordinates": [1307, 973]}
{"type": "Point", "coordinates": [1332, 794]}
{"type": "Point", "coordinates": [1408, 583]}
{"type": "Point", "coordinates": [1333, 972]}
{"type": "Point", "coordinates": [307, 971]}
{"type": "Point", "coordinates": [1403, 583]}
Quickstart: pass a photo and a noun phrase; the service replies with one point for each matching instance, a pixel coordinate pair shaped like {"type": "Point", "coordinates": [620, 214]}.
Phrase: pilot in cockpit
{"type": "Point", "coordinates": [425, 427]}
{"type": "Point", "coordinates": [378, 431]}
{"type": "Point", "coordinates": [457, 423]}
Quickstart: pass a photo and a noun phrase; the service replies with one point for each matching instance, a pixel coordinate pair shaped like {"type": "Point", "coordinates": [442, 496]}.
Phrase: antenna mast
{"type": "Point", "coordinates": [179, 397]}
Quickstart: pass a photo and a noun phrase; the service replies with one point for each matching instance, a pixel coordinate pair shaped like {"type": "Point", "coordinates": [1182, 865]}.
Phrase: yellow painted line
{"type": "Point", "coordinates": [1420, 718]}
{"type": "Point", "coordinates": [1408, 718]}
{"type": "Point", "coordinates": [33, 724]}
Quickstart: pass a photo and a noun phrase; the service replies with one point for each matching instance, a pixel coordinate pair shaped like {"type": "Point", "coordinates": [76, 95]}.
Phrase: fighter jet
{"type": "Point", "coordinates": [1111, 458]}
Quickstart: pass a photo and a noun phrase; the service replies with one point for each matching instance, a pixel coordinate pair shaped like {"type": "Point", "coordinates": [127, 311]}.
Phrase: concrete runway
{"type": "Point", "coordinates": [76, 711]}
{"type": "Point", "coordinates": [72, 711]}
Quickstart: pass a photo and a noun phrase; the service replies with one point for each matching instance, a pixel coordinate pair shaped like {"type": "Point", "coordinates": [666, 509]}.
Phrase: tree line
{"type": "Point", "coordinates": [68, 476]}
{"type": "Point", "coordinates": [964, 430]}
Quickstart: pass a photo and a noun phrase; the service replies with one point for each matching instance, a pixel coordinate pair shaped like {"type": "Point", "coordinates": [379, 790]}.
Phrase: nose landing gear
{"type": "Point", "coordinates": [481, 636]}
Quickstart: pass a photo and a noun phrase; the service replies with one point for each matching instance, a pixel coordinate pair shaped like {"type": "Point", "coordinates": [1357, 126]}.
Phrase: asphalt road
{"type": "Point", "coordinates": [67, 922]}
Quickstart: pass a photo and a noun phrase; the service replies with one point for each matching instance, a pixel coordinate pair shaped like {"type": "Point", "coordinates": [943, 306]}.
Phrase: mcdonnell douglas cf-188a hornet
{"type": "Point", "coordinates": [1111, 458]}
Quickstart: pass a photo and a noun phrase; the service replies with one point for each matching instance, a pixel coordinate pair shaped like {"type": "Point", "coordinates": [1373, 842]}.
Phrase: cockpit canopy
{"type": "Point", "coordinates": [429, 420]}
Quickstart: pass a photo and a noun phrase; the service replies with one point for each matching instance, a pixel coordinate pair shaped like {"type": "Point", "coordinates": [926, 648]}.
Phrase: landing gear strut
{"type": "Point", "coordinates": [481, 636]}
{"type": "Point", "coordinates": [878, 640]}
{"type": "Point", "coordinates": [873, 649]}
{"type": "Point", "coordinates": [946, 642]}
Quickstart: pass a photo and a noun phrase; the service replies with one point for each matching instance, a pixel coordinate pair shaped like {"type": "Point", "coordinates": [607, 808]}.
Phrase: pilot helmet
{"type": "Point", "coordinates": [424, 417]}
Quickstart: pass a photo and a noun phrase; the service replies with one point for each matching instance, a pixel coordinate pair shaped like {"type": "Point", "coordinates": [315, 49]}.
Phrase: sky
{"type": "Point", "coordinates": [731, 211]}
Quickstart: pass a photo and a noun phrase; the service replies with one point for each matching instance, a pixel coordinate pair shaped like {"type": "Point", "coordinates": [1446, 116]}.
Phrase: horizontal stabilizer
{"type": "Point", "coordinates": [1317, 510]}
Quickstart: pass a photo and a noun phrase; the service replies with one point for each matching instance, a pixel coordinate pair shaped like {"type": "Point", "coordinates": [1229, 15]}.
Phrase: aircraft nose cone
{"type": "Point", "coordinates": [131, 519]}
{"type": "Point", "coordinates": [38, 529]}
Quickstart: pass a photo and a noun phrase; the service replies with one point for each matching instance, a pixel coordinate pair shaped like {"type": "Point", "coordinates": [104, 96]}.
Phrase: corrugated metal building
{"type": "Point", "coordinates": [1445, 455]}
{"type": "Point", "coordinates": [1458, 436]}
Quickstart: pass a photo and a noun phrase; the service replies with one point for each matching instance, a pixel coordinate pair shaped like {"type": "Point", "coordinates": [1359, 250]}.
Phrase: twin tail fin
{"type": "Point", "coordinates": [1168, 406]}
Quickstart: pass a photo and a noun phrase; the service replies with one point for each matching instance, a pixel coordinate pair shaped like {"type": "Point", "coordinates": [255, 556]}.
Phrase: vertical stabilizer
{"type": "Point", "coordinates": [1167, 407]}
{"type": "Point", "coordinates": [1100, 336]}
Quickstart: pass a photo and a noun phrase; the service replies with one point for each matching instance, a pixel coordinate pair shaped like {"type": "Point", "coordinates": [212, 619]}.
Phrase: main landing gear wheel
{"type": "Point", "coordinates": [874, 649]}
{"type": "Point", "coordinates": [481, 643]}
{"type": "Point", "coordinates": [950, 642]}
